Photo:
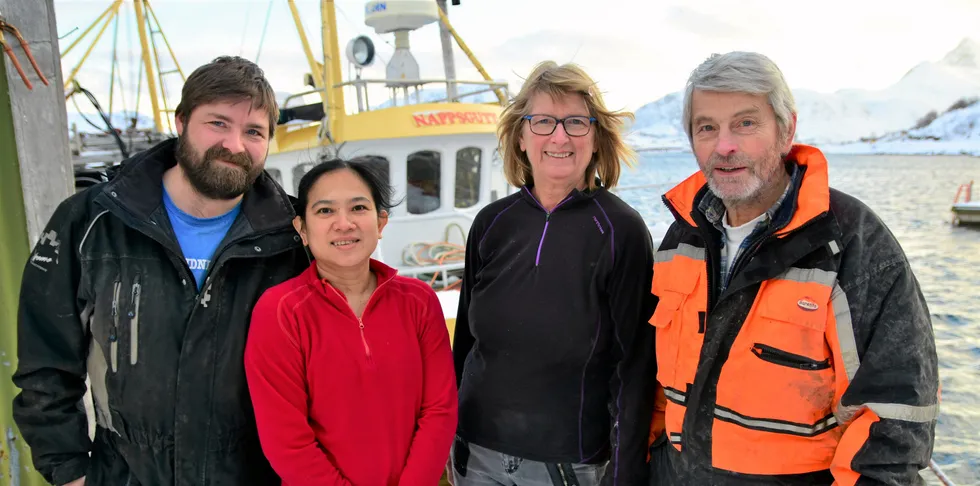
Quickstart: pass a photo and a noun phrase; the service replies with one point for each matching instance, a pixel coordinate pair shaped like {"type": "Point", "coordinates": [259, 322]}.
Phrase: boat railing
{"type": "Point", "coordinates": [940, 474]}
{"type": "Point", "coordinates": [440, 273]}
{"type": "Point", "coordinates": [408, 88]}
{"type": "Point", "coordinates": [966, 190]}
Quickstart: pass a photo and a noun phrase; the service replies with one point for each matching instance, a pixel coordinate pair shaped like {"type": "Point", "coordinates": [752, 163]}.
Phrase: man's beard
{"type": "Point", "coordinates": [762, 175]}
{"type": "Point", "coordinates": [211, 178]}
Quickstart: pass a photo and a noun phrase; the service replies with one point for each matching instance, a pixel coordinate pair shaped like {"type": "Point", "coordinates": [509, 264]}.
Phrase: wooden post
{"type": "Point", "coordinates": [35, 176]}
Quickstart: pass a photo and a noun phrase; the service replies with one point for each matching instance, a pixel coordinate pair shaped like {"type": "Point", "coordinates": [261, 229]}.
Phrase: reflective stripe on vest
{"type": "Point", "coordinates": [849, 361]}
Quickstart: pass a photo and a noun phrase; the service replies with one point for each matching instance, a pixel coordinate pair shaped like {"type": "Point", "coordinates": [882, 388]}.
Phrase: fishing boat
{"type": "Point", "coordinates": [439, 152]}
{"type": "Point", "coordinates": [440, 155]}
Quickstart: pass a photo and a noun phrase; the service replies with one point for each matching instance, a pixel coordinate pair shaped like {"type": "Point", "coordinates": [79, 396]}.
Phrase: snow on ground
{"type": "Point", "coordinates": [907, 147]}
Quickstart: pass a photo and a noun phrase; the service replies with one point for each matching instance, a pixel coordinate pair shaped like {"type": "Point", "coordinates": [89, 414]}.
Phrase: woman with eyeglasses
{"type": "Point", "coordinates": [553, 352]}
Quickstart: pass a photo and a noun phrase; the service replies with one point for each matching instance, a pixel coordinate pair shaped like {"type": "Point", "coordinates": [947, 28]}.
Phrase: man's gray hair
{"type": "Point", "coordinates": [742, 72]}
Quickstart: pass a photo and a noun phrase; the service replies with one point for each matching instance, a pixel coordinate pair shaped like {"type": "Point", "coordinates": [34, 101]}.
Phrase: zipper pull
{"type": "Point", "coordinates": [367, 349]}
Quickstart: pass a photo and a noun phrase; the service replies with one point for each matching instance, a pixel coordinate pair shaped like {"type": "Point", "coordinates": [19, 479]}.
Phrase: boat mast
{"type": "Point", "coordinates": [149, 57]}
{"type": "Point", "coordinates": [151, 82]}
{"type": "Point", "coordinates": [326, 75]}
{"type": "Point", "coordinates": [315, 70]}
{"type": "Point", "coordinates": [447, 54]}
{"type": "Point", "coordinates": [332, 73]}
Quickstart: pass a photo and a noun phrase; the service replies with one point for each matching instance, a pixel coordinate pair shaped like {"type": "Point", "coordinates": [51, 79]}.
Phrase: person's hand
{"type": "Point", "coordinates": [78, 482]}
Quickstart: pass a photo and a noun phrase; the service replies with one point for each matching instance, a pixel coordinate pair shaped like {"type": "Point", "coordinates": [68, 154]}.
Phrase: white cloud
{"type": "Point", "coordinates": [637, 50]}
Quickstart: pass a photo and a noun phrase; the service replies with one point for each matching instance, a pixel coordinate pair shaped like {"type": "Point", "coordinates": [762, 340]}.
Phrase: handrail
{"type": "Point", "coordinates": [416, 82]}
{"type": "Point", "coordinates": [361, 83]}
{"type": "Point", "coordinates": [639, 186]}
{"type": "Point", "coordinates": [967, 190]}
{"type": "Point", "coordinates": [940, 474]}
{"type": "Point", "coordinates": [419, 82]}
{"type": "Point", "coordinates": [458, 96]}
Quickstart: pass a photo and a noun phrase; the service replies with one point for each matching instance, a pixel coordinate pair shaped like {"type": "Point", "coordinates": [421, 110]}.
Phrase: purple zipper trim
{"type": "Point", "coordinates": [537, 257]}
{"type": "Point", "coordinates": [563, 201]}
{"type": "Point", "coordinates": [528, 191]}
{"type": "Point", "coordinates": [495, 218]}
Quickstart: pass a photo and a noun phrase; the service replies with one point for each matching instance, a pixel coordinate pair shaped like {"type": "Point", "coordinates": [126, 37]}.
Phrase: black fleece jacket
{"type": "Point", "coordinates": [554, 356]}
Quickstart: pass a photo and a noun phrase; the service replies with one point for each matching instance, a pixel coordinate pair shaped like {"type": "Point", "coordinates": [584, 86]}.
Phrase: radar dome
{"type": "Point", "coordinates": [393, 15]}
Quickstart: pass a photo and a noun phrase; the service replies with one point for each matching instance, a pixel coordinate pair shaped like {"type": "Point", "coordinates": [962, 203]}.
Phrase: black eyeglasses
{"type": "Point", "coordinates": [575, 126]}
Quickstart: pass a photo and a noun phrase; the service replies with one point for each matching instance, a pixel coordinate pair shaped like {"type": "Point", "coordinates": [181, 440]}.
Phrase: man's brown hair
{"type": "Point", "coordinates": [228, 78]}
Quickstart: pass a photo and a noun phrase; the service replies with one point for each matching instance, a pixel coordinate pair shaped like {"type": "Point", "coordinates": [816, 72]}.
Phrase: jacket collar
{"type": "Point", "coordinates": [574, 196]}
{"type": "Point", "coordinates": [812, 193]}
{"type": "Point", "coordinates": [312, 277]}
{"type": "Point", "coordinates": [138, 188]}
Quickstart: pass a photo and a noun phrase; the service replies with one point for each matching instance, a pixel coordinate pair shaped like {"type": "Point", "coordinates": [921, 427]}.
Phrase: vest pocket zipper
{"type": "Point", "coordinates": [561, 471]}
{"type": "Point", "coordinates": [114, 331]}
{"type": "Point", "coordinates": [134, 323]}
{"type": "Point", "coordinates": [784, 358]}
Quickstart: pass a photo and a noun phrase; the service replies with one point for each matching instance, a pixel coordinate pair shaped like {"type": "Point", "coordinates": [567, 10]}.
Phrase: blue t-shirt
{"type": "Point", "coordinates": [198, 237]}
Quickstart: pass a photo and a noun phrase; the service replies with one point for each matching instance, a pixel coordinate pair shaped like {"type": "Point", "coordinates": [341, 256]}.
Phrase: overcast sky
{"type": "Point", "coordinates": [636, 50]}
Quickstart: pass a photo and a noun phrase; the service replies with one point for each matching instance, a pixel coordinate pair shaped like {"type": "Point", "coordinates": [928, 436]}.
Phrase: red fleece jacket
{"type": "Point", "coordinates": [342, 401]}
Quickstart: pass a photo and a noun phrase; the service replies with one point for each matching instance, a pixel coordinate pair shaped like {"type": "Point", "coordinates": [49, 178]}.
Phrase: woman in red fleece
{"type": "Point", "coordinates": [348, 364]}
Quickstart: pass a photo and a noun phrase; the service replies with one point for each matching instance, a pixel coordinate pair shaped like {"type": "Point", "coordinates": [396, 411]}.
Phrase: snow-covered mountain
{"type": "Point", "coordinates": [846, 115]}
{"type": "Point", "coordinates": [962, 124]}
{"type": "Point", "coordinates": [956, 132]}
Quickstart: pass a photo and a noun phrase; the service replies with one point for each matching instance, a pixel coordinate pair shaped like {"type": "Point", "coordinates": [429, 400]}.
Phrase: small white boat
{"type": "Point", "coordinates": [966, 212]}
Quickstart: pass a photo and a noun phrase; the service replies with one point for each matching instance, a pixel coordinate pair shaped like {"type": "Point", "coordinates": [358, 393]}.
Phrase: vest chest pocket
{"type": "Point", "coordinates": [668, 335]}
{"type": "Point", "coordinates": [792, 320]}
{"type": "Point", "coordinates": [679, 319]}
{"type": "Point", "coordinates": [782, 357]}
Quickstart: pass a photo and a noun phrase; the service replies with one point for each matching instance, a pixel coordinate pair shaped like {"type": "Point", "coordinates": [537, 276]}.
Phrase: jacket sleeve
{"type": "Point", "coordinates": [52, 346]}
{"type": "Point", "coordinates": [436, 424]}
{"type": "Point", "coordinates": [275, 370]}
{"type": "Point", "coordinates": [463, 340]}
{"type": "Point", "coordinates": [891, 400]}
{"type": "Point", "coordinates": [634, 379]}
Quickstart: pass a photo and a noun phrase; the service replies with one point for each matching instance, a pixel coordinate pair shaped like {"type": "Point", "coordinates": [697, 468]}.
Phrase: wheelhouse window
{"type": "Point", "coordinates": [468, 177]}
{"type": "Point", "coordinates": [424, 182]}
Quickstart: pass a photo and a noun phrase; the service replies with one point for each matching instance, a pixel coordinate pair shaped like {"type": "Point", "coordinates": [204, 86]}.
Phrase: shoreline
{"type": "Point", "coordinates": [966, 148]}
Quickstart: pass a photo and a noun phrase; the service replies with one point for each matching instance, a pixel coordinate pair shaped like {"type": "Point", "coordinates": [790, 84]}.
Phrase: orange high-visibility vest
{"type": "Point", "coordinates": [773, 412]}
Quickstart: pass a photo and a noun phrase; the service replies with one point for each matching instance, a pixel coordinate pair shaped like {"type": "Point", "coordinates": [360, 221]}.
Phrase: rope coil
{"type": "Point", "coordinates": [419, 254]}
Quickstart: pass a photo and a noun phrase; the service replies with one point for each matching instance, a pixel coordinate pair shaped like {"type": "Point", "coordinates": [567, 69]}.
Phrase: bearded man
{"type": "Point", "coordinates": [145, 285]}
